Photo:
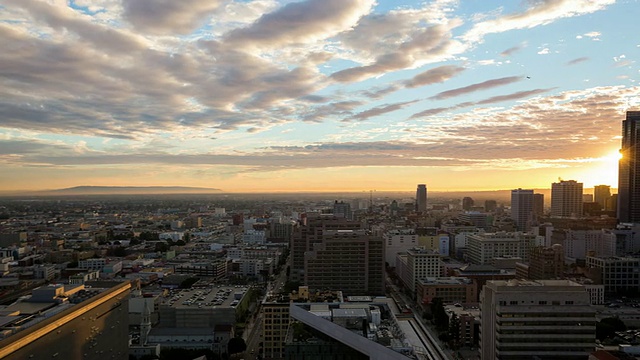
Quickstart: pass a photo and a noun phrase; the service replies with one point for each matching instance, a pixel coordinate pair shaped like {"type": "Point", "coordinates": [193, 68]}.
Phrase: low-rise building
{"type": "Point", "coordinates": [450, 289]}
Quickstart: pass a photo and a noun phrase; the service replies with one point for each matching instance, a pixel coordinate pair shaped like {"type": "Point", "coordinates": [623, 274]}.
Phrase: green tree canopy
{"type": "Point", "coordinates": [236, 345]}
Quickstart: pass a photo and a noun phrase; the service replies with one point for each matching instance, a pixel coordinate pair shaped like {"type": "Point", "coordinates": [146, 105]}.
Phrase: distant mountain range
{"type": "Point", "coordinates": [126, 190]}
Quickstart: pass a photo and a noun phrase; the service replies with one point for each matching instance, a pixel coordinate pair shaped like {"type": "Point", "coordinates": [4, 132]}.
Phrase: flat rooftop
{"type": "Point", "coordinates": [217, 296]}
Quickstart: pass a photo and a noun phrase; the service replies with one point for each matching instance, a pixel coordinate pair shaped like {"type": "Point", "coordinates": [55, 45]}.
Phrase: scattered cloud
{"type": "Point", "coordinates": [439, 74]}
{"type": "Point", "coordinates": [301, 22]}
{"type": "Point", "coordinates": [543, 51]}
{"type": "Point", "coordinates": [538, 13]}
{"type": "Point", "coordinates": [578, 60]}
{"type": "Point", "coordinates": [377, 111]}
{"type": "Point", "coordinates": [161, 17]}
{"type": "Point", "coordinates": [477, 87]}
{"type": "Point", "coordinates": [512, 50]}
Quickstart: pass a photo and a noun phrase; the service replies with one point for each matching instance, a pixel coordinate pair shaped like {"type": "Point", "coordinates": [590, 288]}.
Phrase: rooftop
{"type": "Point", "coordinates": [223, 296]}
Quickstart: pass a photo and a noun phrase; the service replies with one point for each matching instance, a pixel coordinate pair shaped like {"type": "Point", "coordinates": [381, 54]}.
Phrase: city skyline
{"type": "Point", "coordinates": [316, 95]}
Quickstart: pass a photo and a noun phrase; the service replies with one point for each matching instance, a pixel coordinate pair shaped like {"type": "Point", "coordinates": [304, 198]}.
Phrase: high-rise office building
{"type": "Point", "coordinates": [566, 199]}
{"type": "Point", "coordinates": [421, 198]}
{"type": "Point", "coordinates": [467, 203]}
{"type": "Point", "coordinates": [629, 170]}
{"type": "Point", "coordinates": [342, 209]}
{"type": "Point", "coordinates": [601, 193]}
{"type": "Point", "coordinates": [305, 236]}
{"type": "Point", "coordinates": [522, 208]}
{"type": "Point", "coordinates": [538, 204]}
{"type": "Point", "coordinates": [544, 319]}
{"type": "Point", "coordinates": [348, 260]}
{"type": "Point", "coordinates": [490, 205]}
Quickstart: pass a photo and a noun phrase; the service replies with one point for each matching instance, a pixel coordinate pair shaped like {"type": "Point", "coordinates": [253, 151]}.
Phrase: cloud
{"type": "Point", "coordinates": [512, 50]}
{"type": "Point", "coordinates": [436, 75]}
{"type": "Point", "coordinates": [514, 96]}
{"type": "Point", "coordinates": [544, 51]}
{"type": "Point", "coordinates": [578, 60]}
{"type": "Point", "coordinates": [161, 17]}
{"type": "Point", "coordinates": [594, 35]}
{"type": "Point", "coordinates": [399, 39]}
{"type": "Point", "coordinates": [335, 109]}
{"type": "Point", "coordinates": [431, 43]}
{"type": "Point", "coordinates": [63, 19]}
{"type": "Point", "coordinates": [301, 22]}
{"type": "Point", "coordinates": [495, 99]}
{"type": "Point", "coordinates": [540, 12]}
{"type": "Point", "coordinates": [377, 111]}
{"type": "Point", "coordinates": [430, 112]}
{"type": "Point", "coordinates": [476, 87]}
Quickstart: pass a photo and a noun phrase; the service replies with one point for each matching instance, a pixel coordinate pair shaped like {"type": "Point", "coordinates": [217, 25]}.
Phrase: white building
{"type": "Point", "coordinates": [484, 248]}
{"type": "Point", "coordinates": [254, 236]}
{"type": "Point", "coordinates": [397, 241]}
{"type": "Point", "coordinates": [578, 243]}
{"type": "Point", "coordinates": [420, 264]}
{"type": "Point", "coordinates": [627, 239]}
{"type": "Point", "coordinates": [461, 240]}
{"type": "Point", "coordinates": [544, 319]}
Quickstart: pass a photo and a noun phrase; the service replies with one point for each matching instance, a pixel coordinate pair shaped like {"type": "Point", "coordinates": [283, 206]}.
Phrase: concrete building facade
{"type": "Point", "coordinates": [566, 199]}
{"type": "Point", "coordinates": [483, 248]}
{"type": "Point", "coordinates": [544, 319]}
{"type": "Point", "coordinates": [348, 260]}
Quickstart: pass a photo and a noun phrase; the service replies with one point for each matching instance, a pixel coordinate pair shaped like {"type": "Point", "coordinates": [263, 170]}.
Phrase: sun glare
{"type": "Point", "coordinates": [602, 171]}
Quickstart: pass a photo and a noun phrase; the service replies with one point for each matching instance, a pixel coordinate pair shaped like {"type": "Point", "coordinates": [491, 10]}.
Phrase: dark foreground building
{"type": "Point", "coordinates": [629, 170]}
{"type": "Point", "coordinates": [96, 327]}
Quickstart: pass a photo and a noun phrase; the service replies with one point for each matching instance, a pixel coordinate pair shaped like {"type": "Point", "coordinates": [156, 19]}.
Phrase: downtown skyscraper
{"type": "Point", "coordinates": [629, 170]}
{"type": "Point", "coordinates": [566, 199]}
{"type": "Point", "coordinates": [522, 208]}
{"type": "Point", "coordinates": [421, 198]}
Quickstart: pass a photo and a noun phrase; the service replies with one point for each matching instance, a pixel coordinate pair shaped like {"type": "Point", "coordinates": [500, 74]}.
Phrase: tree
{"type": "Point", "coordinates": [454, 330]}
{"type": "Point", "coordinates": [440, 317]}
{"type": "Point", "coordinates": [607, 327]}
{"type": "Point", "coordinates": [187, 283]}
{"type": "Point", "coordinates": [161, 247]}
{"type": "Point", "coordinates": [120, 251]}
{"type": "Point", "coordinates": [236, 345]}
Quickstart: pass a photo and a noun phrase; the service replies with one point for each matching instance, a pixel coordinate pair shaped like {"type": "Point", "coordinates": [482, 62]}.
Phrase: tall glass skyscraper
{"type": "Point", "coordinates": [629, 170]}
{"type": "Point", "coordinates": [421, 198]}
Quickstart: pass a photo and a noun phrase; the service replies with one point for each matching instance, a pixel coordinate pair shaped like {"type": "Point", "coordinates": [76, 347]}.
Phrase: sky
{"type": "Point", "coordinates": [315, 95]}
